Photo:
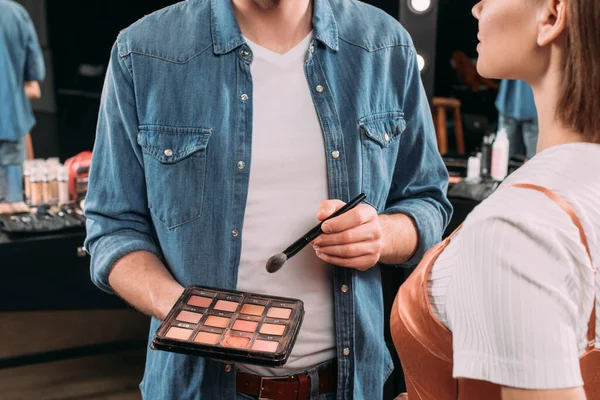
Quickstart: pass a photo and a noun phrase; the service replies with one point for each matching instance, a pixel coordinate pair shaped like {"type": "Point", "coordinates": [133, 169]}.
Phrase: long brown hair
{"type": "Point", "coordinates": [579, 103]}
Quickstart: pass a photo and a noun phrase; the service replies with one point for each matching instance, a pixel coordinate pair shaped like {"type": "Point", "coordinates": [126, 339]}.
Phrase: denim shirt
{"type": "Point", "coordinates": [21, 60]}
{"type": "Point", "coordinates": [515, 100]}
{"type": "Point", "coordinates": [176, 118]}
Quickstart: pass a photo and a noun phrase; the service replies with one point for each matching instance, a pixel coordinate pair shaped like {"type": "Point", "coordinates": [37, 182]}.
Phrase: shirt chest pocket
{"type": "Point", "coordinates": [380, 137]}
{"type": "Point", "coordinates": [175, 170]}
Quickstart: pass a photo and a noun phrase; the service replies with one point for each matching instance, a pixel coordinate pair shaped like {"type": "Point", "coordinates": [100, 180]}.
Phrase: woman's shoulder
{"type": "Point", "coordinates": [572, 172]}
{"type": "Point", "coordinates": [527, 223]}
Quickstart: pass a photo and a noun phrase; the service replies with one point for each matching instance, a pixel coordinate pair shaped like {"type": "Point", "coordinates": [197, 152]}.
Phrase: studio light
{"type": "Point", "coordinates": [419, 6]}
{"type": "Point", "coordinates": [421, 62]}
{"type": "Point", "coordinates": [419, 17]}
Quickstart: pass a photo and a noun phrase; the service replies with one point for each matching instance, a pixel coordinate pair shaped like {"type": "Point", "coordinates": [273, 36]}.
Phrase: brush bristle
{"type": "Point", "coordinates": [276, 262]}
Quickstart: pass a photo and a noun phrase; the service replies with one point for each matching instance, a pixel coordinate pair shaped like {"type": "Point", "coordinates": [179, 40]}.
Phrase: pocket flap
{"type": "Point", "coordinates": [383, 128]}
{"type": "Point", "coordinates": [172, 145]}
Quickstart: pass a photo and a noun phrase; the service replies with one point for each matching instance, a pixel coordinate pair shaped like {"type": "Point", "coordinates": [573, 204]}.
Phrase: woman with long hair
{"type": "Point", "coordinates": [505, 307]}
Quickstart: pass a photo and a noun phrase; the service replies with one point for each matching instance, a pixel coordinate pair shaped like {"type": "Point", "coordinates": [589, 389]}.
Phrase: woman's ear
{"type": "Point", "coordinates": [552, 21]}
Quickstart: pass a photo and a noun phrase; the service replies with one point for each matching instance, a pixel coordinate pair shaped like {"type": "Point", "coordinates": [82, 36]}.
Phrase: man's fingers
{"type": "Point", "coordinates": [328, 207]}
{"type": "Point", "coordinates": [361, 263]}
{"type": "Point", "coordinates": [360, 215]}
{"type": "Point", "coordinates": [352, 250]}
{"type": "Point", "coordinates": [362, 233]}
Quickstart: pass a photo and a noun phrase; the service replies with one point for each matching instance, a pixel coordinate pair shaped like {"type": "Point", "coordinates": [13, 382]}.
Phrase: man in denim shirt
{"type": "Point", "coordinates": [518, 116]}
{"type": "Point", "coordinates": [21, 68]}
{"type": "Point", "coordinates": [224, 128]}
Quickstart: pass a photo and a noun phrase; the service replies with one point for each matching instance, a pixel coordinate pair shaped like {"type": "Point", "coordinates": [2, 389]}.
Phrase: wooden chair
{"type": "Point", "coordinates": [441, 106]}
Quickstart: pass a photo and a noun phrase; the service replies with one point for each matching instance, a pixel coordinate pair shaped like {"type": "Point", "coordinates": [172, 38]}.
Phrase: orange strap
{"type": "Point", "coordinates": [591, 336]}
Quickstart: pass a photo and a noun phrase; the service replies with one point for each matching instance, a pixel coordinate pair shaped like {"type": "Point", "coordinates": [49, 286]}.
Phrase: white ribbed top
{"type": "Point", "coordinates": [515, 286]}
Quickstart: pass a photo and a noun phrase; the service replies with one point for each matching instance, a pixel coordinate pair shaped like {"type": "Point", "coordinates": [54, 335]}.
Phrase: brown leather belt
{"type": "Point", "coordinates": [286, 387]}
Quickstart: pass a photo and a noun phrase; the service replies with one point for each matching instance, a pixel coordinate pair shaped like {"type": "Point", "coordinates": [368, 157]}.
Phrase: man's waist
{"type": "Point", "coordinates": [295, 386]}
{"type": "Point", "coordinates": [296, 364]}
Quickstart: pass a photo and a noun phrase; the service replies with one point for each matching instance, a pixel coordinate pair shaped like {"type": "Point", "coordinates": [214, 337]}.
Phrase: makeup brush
{"type": "Point", "coordinates": [276, 262]}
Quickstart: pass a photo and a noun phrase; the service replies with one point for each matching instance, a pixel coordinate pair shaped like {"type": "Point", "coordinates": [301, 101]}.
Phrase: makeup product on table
{"type": "Point", "coordinates": [36, 187]}
{"type": "Point", "coordinates": [27, 165]}
{"type": "Point", "coordinates": [53, 183]}
{"type": "Point", "coordinates": [486, 155]}
{"type": "Point", "coordinates": [46, 187]}
{"type": "Point", "coordinates": [231, 326]}
{"type": "Point", "coordinates": [500, 156]}
{"type": "Point", "coordinates": [474, 168]}
{"type": "Point", "coordinates": [275, 263]}
{"type": "Point", "coordinates": [63, 186]}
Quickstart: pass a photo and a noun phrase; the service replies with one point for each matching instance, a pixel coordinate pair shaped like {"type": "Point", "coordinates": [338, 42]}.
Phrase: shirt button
{"type": "Point", "coordinates": [387, 137]}
{"type": "Point", "coordinates": [245, 97]}
{"type": "Point", "coordinates": [344, 288]}
{"type": "Point", "coordinates": [335, 154]}
{"type": "Point", "coordinates": [235, 233]}
{"type": "Point", "coordinates": [169, 153]}
{"type": "Point", "coordinates": [228, 368]}
{"type": "Point", "coordinates": [244, 53]}
{"type": "Point", "coordinates": [346, 351]}
{"type": "Point", "coordinates": [241, 165]}
{"type": "Point", "coordinates": [320, 89]}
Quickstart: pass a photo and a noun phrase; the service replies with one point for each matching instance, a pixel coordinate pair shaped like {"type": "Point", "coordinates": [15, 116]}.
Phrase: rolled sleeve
{"type": "Point", "coordinates": [420, 180]}
{"type": "Point", "coordinates": [430, 220]}
{"type": "Point", "coordinates": [107, 250]}
{"type": "Point", "coordinates": [118, 219]}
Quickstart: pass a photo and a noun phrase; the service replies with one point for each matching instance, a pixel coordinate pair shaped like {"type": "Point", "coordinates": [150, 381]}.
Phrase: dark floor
{"type": "Point", "coordinates": [106, 377]}
{"type": "Point", "coordinates": [109, 375]}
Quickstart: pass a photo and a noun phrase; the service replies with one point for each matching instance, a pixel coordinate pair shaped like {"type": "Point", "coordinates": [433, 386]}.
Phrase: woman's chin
{"type": "Point", "coordinates": [485, 71]}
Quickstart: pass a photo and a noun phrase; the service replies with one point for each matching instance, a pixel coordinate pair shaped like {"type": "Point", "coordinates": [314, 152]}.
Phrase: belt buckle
{"type": "Point", "coordinates": [270, 378]}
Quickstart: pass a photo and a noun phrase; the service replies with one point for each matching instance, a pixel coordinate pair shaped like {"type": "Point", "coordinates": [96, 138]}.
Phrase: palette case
{"type": "Point", "coordinates": [231, 326]}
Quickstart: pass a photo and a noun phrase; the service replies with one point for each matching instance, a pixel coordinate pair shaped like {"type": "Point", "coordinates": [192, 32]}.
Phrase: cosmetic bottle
{"type": "Point", "coordinates": [36, 187]}
{"type": "Point", "coordinates": [63, 186]}
{"type": "Point", "coordinates": [27, 167]}
{"type": "Point", "coordinates": [53, 183]}
{"type": "Point", "coordinates": [474, 168]}
{"type": "Point", "coordinates": [500, 156]}
{"type": "Point", "coordinates": [46, 189]}
{"type": "Point", "coordinates": [486, 155]}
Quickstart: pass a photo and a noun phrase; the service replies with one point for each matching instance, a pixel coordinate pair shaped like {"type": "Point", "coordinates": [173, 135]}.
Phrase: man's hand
{"type": "Point", "coordinates": [352, 240]}
{"type": "Point", "coordinates": [142, 280]}
{"type": "Point", "coordinates": [32, 90]}
{"type": "Point", "coordinates": [402, 396]}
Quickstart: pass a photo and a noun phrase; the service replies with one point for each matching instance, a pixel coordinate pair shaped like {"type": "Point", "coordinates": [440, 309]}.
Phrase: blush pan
{"type": "Point", "coordinates": [265, 345]}
{"type": "Point", "coordinates": [252, 309]}
{"type": "Point", "coordinates": [207, 338]}
{"type": "Point", "coordinates": [198, 301]}
{"type": "Point", "coordinates": [279, 313]}
{"type": "Point", "coordinates": [229, 306]}
{"type": "Point", "coordinates": [217, 322]}
{"type": "Point", "coordinates": [179, 333]}
{"type": "Point", "coordinates": [245, 326]}
{"type": "Point", "coordinates": [271, 329]}
{"type": "Point", "coordinates": [239, 342]}
{"type": "Point", "coordinates": [187, 316]}
{"type": "Point", "coordinates": [231, 326]}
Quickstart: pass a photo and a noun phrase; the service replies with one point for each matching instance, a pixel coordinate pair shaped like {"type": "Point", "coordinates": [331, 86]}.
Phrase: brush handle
{"type": "Point", "coordinates": [315, 232]}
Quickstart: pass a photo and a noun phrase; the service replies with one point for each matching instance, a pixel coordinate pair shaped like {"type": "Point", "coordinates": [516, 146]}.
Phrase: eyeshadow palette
{"type": "Point", "coordinates": [231, 326]}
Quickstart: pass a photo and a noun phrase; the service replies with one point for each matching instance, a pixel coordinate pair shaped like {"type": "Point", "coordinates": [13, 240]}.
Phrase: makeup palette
{"type": "Point", "coordinates": [231, 326]}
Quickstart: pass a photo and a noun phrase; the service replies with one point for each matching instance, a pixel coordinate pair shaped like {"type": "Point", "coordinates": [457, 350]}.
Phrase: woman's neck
{"type": "Point", "coordinates": [552, 132]}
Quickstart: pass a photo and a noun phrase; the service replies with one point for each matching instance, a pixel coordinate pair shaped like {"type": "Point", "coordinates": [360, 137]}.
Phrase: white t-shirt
{"type": "Point", "coordinates": [515, 286]}
{"type": "Point", "coordinates": [288, 181]}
